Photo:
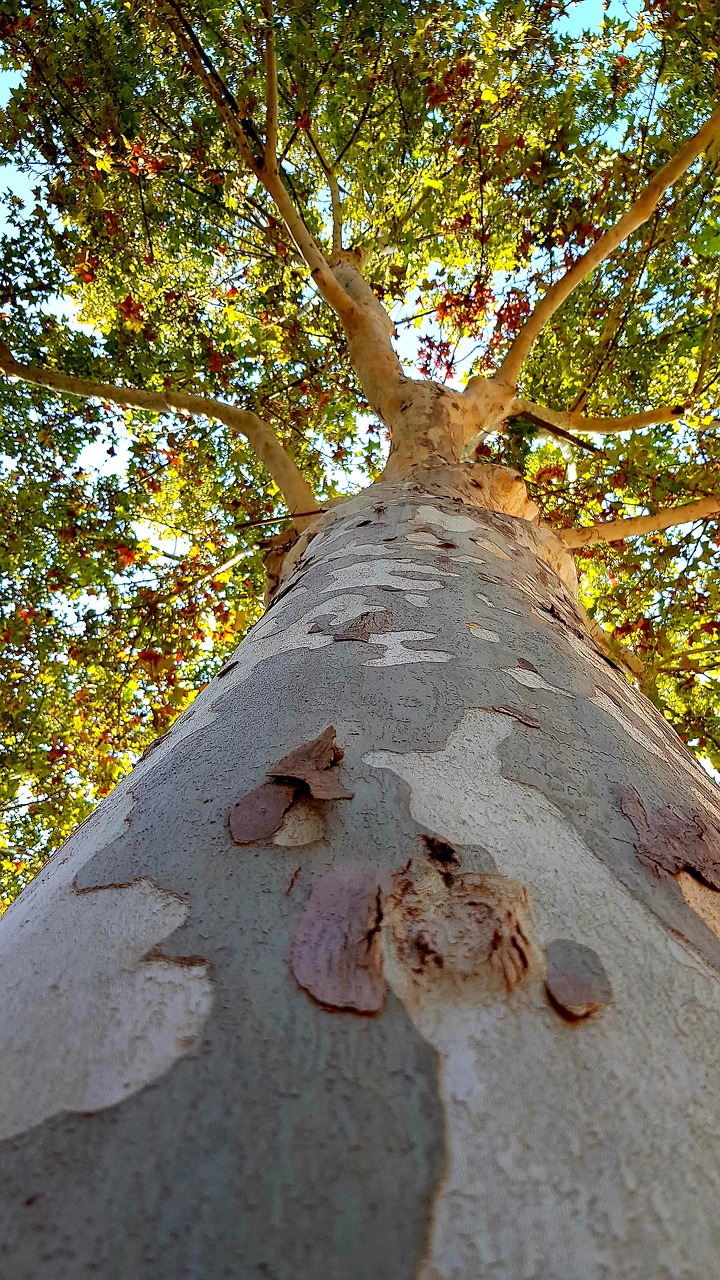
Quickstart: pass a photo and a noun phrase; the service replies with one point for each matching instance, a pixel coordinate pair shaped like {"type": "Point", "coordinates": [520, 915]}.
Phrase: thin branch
{"type": "Point", "coordinates": [539, 419]}
{"type": "Point", "coordinates": [241, 134]}
{"type": "Point", "coordinates": [398, 223]}
{"type": "Point", "coordinates": [616, 530]}
{"type": "Point", "coordinates": [636, 215]}
{"type": "Point", "coordinates": [271, 91]}
{"type": "Point", "coordinates": [361, 119]}
{"type": "Point", "coordinates": [292, 484]}
{"type": "Point", "coordinates": [707, 348]}
{"type": "Point", "coordinates": [334, 187]}
{"type": "Point", "coordinates": [213, 82]}
{"type": "Point", "coordinates": [613, 327]}
{"type": "Point", "coordinates": [562, 421]}
{"type": "Point", "coordinates": [337, 226]}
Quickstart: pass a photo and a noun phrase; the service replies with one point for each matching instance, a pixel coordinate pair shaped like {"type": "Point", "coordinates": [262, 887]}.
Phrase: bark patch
{"type": "Point", "coordinates": [440, 850]}
{"type": "Point", "coordinates": [525, 665]}
{"type": "Point", "coordinates": [576, 982]}
{"type": "Point", "coordinates": [259, 814]}
{"type": "Point", "coordinates": [523, 716]}
{"type": "Point", "coordinates": [309, 770]}
{"type": "Point", "coordinates": [671, 841]}
{"type": "Point", "coordinates": [335, 954]}
{"type": "Point", "coordinates": [362, 628]}
{"type": "Point", "coordinates": [312, 764]}
{"type": "Point", "coordinates": [458, 937]}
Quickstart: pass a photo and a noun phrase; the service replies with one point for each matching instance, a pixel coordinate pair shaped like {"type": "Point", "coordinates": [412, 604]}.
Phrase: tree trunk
{"type": "Point", "coordinates": [445, 1008]}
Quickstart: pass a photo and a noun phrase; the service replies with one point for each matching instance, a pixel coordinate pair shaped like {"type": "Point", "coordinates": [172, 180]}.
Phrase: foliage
{"type": "Point", "coordinates": [479, 148]}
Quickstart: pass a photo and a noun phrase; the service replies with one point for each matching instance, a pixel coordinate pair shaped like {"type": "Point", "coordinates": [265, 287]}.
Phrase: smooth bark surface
{"type": "Point", "coordinates": [189, 1089]}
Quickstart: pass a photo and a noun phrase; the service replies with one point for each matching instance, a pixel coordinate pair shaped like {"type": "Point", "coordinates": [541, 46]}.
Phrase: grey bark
{"type": "Point", "coordinates": [176, 1104]}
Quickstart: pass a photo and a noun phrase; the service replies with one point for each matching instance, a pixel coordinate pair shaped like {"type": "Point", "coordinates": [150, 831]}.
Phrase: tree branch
{"type": "Point", "coordinates": [615, 324]}
{"type": "Point", "coordinates": [271, 91]}
{"type": "Point", "coordinates": [616, 530]}
{"type": "Point", "coordinates": [334, 188]}
{"type": "Point", "coordinates": [260, 436]}
{"type": "Point", "coordinates": [212, 82]}
{"type": "Point", "coordinates": [369, 339]}
{"type": "Point", "coordinates": [539, 418]}
{"type": "Point", "coordinates": [564, 421]}
{"type": "Point", "coordinates": [637, 214]}
{"type": "Point", "coordinates": [270, 178]}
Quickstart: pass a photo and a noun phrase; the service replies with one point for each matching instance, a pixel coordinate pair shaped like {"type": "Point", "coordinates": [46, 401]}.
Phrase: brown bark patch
{"type": "Point", "coordinates": [374, 622]}
{"type": "Point", "coordinates": [443, 855]}
{"type": "Point", "coordinates": [673, 840]}
{"type": "Point", "coordinates": [335, 954]}
{"type": "Point", "coordinates": [313, 765]}
{"type": "Point", "coordinates": [576, 982]}
{"type": "Point", "coordinates": [523, 716]}
{"type": "Point", "coordinates": [259, 814]}
{"type": "Point", "coordinates": [527, 666]}
{"type": "Point", "coordinates": [309, 770]}
{"type": "Point", "coordinates": [440, 850]}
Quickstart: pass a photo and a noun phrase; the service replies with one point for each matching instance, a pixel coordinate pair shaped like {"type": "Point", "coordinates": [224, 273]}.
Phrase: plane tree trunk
{"type": "Point", "coordinates": [444, 1007]}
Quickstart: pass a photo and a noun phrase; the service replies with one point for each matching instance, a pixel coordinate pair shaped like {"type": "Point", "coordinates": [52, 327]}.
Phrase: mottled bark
{"type": "Point", "coordinates": [460, 1022]}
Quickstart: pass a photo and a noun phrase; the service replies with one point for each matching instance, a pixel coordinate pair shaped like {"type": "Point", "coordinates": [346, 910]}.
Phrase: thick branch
{"type": "Point", "coordinates": [370, 347]}
{"type": "Point", "coordinates": [637, 214]}
{"type": "Point", "coordinates": [320, 270]}
{"type": "Point", "coordinates": [260, 436]}
{"type": "Point", "coordinates": [565, 421]}
{"type": "Point", "coordinates": [616, 530]}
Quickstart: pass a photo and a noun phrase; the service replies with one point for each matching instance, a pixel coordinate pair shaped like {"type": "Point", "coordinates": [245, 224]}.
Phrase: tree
{"type": "Point", "coordinates": [396, 954]}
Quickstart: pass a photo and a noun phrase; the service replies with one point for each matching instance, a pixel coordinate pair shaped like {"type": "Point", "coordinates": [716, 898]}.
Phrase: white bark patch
{"type": "Point", "coordinates": [607, 1127]}
{"type": "Point", "coordinates": [451, 522]}
{"type": "Point", "coordinates": [492, 548]}
{"type": "Point", "coordinates": [467, 560]}
{"type": "Point", "coordinates": [424, 540]}
{"type": "Point", "coordinates": [304, 823]}
{"type": "Point", "coordinates": [420, 602]}
{"type": "Point", "coordinates": [653, 735]}
{"type": "Point", "coordinates": [704, 900]}
{"type": "Point", "coordinates": [483, 634]}
{"type": "Point", "coordinates": [607, 704]}
{"type": "Point", "coordinates": [86, 1019]}
{"type": "Point", "coordinates": [533, 680]}
{"type": "Point", "coordinates": [267, 639]}
{"type": "Point", "coordinates": [358, 549]}
{"type": "Point", "coordinates": [404, 575]}
{"type": "Point", "coordinates": [396, 654]}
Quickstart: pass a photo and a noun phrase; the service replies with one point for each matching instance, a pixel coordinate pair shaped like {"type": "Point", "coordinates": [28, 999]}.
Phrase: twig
{"type": "Point", "coordinates": [707, 347]}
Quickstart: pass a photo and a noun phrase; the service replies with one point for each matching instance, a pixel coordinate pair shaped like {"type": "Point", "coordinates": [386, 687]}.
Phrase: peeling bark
{"type": "Point", "coordinates": [518, 897]}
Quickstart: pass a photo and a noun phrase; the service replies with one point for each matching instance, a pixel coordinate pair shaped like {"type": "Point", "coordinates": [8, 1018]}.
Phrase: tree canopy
{"type": "Point", "coordinates": [178, 377]}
